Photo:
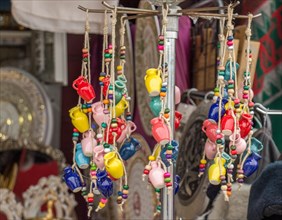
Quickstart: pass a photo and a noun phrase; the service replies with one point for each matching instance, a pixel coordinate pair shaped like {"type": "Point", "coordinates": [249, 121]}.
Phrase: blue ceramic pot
{"type": "Point", "coordinates": [155, 105]}
{"type": "Point", "coordinates": [81, 160]}
{"type": "Point", "coordinates": [251, 164]}
{"type": "Point", "coordinates": [227, 70]}
{"type": "Point", "coordinates": [104, 183]}
{"type": "Point", "coordinates": [129, 148]}
{"type": "Point", "coordinates": [175, 144]}
{"type": "Point", "coordinates": [256, 145]}
{"type": "Point", "coordinates": [214, 109]}
{"type": "Point", "coordinates": [72, 179]}
{"type": "Point", "coordinates": [176, 183]}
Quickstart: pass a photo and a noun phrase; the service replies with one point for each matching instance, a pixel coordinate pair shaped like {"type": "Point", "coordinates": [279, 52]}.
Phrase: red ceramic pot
{"type": "Point", "coordinates": [118, 130]}
{"type": "Point", "coordinates": [160, 131]}
{"type": "Point", "coordinates": [245, 124]}
{"type": "Point", "coordinates": [210, 127]}
{"type": "Point", "coordinates": [177, 120]}
{"type": "Point", "coordinates": [227, 123]}
{"type": "Point", "coordinates": [84, 89]}
{"type": "Point", "coordinates": [106, 83]}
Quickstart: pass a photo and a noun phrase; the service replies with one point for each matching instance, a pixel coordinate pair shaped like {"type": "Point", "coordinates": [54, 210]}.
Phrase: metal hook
{"type": "Point", "coordinates": [189, 97]}
{"type": "Point", "coordinates": [207, 95]}
{"type": "Point", "coordinates": [260, 108]}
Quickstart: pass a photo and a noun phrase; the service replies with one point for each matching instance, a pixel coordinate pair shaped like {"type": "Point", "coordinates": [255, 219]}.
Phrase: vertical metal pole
{"type": "Point", "coordinates": [171, 36]}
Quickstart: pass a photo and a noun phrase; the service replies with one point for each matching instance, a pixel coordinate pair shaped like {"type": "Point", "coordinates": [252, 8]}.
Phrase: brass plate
{"type": "Point", "coordinates": [25, 111]}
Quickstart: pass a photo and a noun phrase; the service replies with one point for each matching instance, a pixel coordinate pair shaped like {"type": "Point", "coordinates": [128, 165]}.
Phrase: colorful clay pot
{"type": "Point", "coordinates": [216, 170]}
{"type": "Point", "coordinates": [104, 184]}
{"type": "Point", "coordinates": [98, 113]}
{"type": "Point", "coordinates": [251, 164]}
{"type": "Point", "coordinates": [79, 119]}
{"type": "Point", "coordinates": [129, 148]}
{"type": "Point", "coordinates": [245, 124]}
{"type": "Point", "coordinates": [88, 143]}
{"type": "Point", "coordinates": [84, 89]}
{"type": "Point", "coordinates": [227, 123]}
{"type": "Point", "coordinates": [113, 165]}
{"type": "Point", "coordinates": [153, 82]}
{"type": "Point", "coordinates": [72, 179]}
{"type": "Point", "coordinates": [81, 160]}
{"type": "Point", "coordinates": [160, 131]}
{"type": "Point", "coordinates": [209, 127]}
{"type": "Point", "coordinates": [155, 105]}
{"type": "Point", "coordinates": [156, 175]}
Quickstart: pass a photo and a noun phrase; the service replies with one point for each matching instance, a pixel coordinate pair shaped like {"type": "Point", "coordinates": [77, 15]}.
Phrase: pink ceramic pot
{"type": "Point", "coordinates": [177, 95]}
{"type": "Point", "coordinates": [98, 114]}
{"type": "Point", "coordinates": [156, 175]}
{"type": "Point", "coordinates": [160, 131]}
{"type": "Point", "coordinates": [239, 142]}
{"type": "Point", "coordinates": [130, 128]}
{"type": "Point", "coordinates": [88, 143]}
{"type": "Point", "coordinates": [210, 149]}
{"type": "Point", "coordinates": [98, 156]}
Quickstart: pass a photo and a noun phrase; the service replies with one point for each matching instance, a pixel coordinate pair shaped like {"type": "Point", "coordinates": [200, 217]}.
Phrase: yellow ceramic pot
{"type": "Point", "coordinates": [227, 106]}
{"type": "Point", "coordinates": [113, 165]}
{"type": "Point", "coordinates": [121, 106]}
{"type": "Point", "coordinates": [153, 81]}
{"type": "Point", "coordinates": [79, 119]}
{"type": "Point", "coordinates": [216, 169]}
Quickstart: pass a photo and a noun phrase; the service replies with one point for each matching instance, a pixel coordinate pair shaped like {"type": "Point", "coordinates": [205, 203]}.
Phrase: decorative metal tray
{"type": "Point", "coordinates": [25, 109]}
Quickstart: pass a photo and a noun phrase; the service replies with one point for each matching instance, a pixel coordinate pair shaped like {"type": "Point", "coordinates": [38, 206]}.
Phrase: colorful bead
{"type": "Point", "coordinates": [161, 37]}
{"type": "Point", "coordinates": [101, 205]}
{"type": "Point", "coordinates": [125, 191]}
{"type": "Point", "coordinates": [203, 161]}
{"type": "Point", "coordinates": [230, 38]}
{"type": "Point", "coordinates": [167, 180]}
{"type": "Point", "coordinates": [160, 47]}
{"type": "Point", "coordinates": [148, 167]}
{"type": "Point", "coordinates": [152, 158]}
{"type": "Point", "coordinates": [168, 156]}
{"type": "Point", "coordinates": [168, 184]}
{"type": "Point", "coordinates": [166, 175]}
{"type": "Point", "coordinates": [106, 101]}
{"type": "Point", "coordinates": [125, 187]}
{"type": "Point", "coordinates": [146, 172]}
{"type": "Point", "coordinates": [106, 145]}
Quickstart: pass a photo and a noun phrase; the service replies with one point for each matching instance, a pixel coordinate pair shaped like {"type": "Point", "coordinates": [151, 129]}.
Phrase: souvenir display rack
{"type": "Point", "coordinates": [170, 14]}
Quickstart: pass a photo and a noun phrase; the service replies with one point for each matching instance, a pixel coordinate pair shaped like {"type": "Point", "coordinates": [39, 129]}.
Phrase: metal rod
{"type": "Point", "coordinates": [171, 36]}
{"type": "Point", "coordinates": [202, 9]}
{"type": "Point", "coordinates": [128, 10]}
{"type": "Point", "coordinates": [146, 12]}
{"type": "Point", "coordinates": [138, 16]}
{"type": "Point", "coordinates": [92, 10]}
{"type": "Point", "coordinates": [212, 15]}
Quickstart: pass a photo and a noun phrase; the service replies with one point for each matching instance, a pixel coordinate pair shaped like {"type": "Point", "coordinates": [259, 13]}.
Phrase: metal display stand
{"type": "Point", "coordinates": [171, 36]}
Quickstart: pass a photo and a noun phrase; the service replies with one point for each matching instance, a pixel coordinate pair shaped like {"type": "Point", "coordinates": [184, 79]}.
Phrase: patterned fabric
{"type": "Point", "coordinates": [268, 81]}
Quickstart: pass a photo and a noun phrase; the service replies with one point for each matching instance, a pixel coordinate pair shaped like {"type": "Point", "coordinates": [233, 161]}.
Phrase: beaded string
{"type": "Point", "coordinates": [222, 46]}
{"type": "Point", "coordinates": [162, 60]}
{"type": "Point", "coordinates": [247, 83]}
{"type": "Point", "coordinates": [114, 21]}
